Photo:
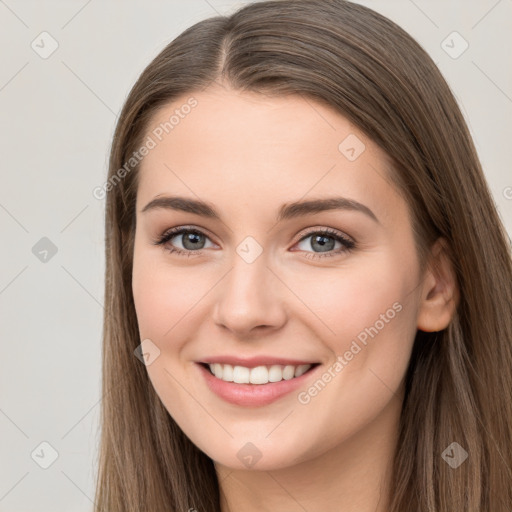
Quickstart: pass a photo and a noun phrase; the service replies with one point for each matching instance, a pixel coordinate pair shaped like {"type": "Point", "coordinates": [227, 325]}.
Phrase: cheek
{"type": "Point", "coordinates": [368, 312]}
{"type": "Point", "coordinates": [352, 299]}
{"type": "Point", "coordinates": [163, 295]}
{"type": "Point", "coordinates": [164, 300]}
{"type": "Point", "coordinates": [371, 313]}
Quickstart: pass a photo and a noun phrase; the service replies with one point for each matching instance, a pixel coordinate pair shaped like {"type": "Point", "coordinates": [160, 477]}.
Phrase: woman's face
{"type": "Point", "coordinates": [303, 254]}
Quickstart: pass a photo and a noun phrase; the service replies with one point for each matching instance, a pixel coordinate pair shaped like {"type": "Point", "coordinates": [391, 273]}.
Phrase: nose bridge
{"type": "Point", "coordinates": [249, 296]}
{"type": "Point", "coordinates": [246, 277]}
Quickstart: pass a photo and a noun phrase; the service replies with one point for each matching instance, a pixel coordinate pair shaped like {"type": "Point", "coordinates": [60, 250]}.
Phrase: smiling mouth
{"type": "Point", "coordinates": [263, 374]}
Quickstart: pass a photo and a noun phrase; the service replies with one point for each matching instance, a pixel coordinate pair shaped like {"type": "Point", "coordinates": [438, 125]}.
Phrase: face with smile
{"type": "Point", "coordinates": [295, 264]}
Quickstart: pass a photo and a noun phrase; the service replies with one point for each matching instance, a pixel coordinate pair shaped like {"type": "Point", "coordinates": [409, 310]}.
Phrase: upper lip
{"type": "Point", "coordinates": [252, 362]}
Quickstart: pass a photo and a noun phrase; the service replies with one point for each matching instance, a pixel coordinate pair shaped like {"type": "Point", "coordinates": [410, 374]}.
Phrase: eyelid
{"type": "Point", "coordinates": [178, 230]}
{"type": "Point", "coordinates": [323, 229]}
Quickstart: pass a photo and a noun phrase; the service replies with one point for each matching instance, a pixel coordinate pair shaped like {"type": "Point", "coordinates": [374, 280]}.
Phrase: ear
{"type": "Point", "coordinates": [439, 296]}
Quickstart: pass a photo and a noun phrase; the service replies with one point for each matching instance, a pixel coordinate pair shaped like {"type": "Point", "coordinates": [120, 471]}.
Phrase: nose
{"type": "Point", "coordinates": [250, 299]}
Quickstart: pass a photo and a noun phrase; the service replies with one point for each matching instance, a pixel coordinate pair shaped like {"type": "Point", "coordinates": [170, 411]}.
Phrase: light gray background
{"type": "Point", "coordinates": [58, 116]}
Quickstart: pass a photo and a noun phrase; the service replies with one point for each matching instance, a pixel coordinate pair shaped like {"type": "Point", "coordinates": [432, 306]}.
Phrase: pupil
{"type": "Point", "coordinates": [193, 239]}
{"type": "Point", "coordinates": [324, 243]}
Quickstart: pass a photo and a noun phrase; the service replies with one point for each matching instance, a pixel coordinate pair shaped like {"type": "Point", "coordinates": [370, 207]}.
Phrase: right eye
{"type": "Point", "coordinates": [191, 240]}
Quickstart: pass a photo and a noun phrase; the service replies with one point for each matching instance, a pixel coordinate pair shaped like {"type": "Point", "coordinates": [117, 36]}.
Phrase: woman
{"type": "Point", "coordinates": [303, 251]}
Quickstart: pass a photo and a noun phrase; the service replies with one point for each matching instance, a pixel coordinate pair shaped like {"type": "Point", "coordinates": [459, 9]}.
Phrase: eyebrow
{"type": "Point", "coordinates": [286, 212]}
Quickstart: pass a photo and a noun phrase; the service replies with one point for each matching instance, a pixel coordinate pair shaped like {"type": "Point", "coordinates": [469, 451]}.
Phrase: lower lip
{"type": "Point", "coordinates": [253, 395]}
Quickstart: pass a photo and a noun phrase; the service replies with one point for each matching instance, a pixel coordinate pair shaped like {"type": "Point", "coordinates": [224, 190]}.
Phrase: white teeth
{"type": "Point", "coordinates": [288, 372]}
{"type": "Point", "coordinates": [275, 374]}
{"type": "Point", "coordinates": [241, 375]}
{"type": "Point", "coordinates": [217, 370]}
{"type": "Point", "coordinates": [302, 369]}
{"type": "Point", "coordinates": [227, 373]}
{"type": "Point", "coordinates": [259, 374]}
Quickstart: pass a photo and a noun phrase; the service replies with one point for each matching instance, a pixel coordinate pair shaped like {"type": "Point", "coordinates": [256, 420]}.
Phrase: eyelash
{"type": "Point", "coordinates": [348, 245]}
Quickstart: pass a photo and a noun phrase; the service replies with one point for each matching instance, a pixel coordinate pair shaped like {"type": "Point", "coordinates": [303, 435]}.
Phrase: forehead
{"type": "Point", "coordinates": [235, 145]}
{"type": "Point", "coordinates": [220, 116]}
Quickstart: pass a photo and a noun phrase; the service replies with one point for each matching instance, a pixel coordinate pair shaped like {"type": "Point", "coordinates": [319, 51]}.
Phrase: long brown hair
{"type": "Point", "coordinates": [459, 381]}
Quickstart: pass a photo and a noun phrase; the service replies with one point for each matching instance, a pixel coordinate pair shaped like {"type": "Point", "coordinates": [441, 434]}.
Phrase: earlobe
{"type": "Point", "coordinates": [439, 296]}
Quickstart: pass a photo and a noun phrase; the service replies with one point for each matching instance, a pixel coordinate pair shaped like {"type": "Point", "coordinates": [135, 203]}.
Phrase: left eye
{"type": "Point", "coordinates": [322, 241]}
{"type": "Point", "coordinates": [190, 240]}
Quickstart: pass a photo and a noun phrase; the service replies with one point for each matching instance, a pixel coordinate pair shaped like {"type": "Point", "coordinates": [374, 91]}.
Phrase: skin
{"type": "Point", "coordinates": [247, 155]}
